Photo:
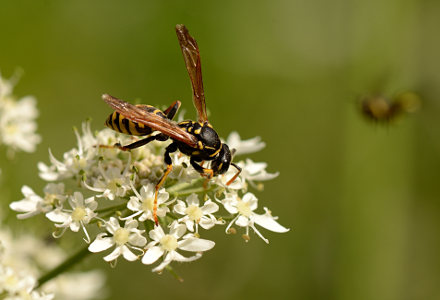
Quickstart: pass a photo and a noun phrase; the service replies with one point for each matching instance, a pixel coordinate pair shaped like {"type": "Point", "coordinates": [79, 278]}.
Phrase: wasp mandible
{"type": "Point", "coordinates": [198, 139]}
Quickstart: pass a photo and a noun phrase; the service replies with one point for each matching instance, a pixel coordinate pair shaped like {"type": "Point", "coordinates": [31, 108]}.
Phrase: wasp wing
{"type": "Point", "coordinates": [191, 54]}
{"type": "Point", "coordinates": [140, 115]}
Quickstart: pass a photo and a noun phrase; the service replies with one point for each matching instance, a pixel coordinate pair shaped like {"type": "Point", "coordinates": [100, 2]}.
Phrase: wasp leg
{"type": "Point", "coordinates": [137, 144]}
{"type": "Point", "coordinates": [172, 110]}
{"type": "Point", "coordinates": [171, 148]}
{"type": "Point", "coordinates": [209, 173]}
{"type": "Point", "coordinates": [236, 174]}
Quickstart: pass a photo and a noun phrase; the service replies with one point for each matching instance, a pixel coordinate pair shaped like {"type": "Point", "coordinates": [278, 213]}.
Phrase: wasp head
{"type": "Point", "coordinates": [222, 162]}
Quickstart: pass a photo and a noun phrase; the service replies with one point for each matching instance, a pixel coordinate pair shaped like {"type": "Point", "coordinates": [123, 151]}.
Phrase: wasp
{"type": "Point", "coordinates": [382, 109]}
{"type": "Point", "coordinates": [198, 139]}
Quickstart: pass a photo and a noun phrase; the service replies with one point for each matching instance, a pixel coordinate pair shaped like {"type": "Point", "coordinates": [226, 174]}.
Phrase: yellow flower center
{"type": "Point", "coordinates": [11, 129]}
{"type": "Point", "coordinates": [168, 243]}
{"type": "Point", "coordinates": [80, 163]}
{"type": "Point", "coordinates": [121, 236]}
{"type": "Point", "coordinates": [11, 281]}
{"type": "Point", "coordinates": [78, 214]}
{"type": "Point", "coordinates": [148, 204]}
{"type": "Point", "coordinates": [50, 199]}
{"type": "Point", "coordinates": [244, 208]}
{"type": "Point", "coordinates": [114, 184]}
{"type": "Point", "coordinates": [194, 212]}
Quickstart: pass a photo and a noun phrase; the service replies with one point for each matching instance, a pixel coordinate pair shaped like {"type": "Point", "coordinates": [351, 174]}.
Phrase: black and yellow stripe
{"type": "Point", "coordinates": [121, 124]}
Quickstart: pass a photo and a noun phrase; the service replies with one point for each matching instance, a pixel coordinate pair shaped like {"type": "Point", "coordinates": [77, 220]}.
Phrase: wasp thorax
{"type": "Point", "coordinates": [209, 138]}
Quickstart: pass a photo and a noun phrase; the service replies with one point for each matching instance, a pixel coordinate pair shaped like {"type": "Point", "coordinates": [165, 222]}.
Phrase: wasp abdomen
{"type": "Point", "coordinates": [121, 124]}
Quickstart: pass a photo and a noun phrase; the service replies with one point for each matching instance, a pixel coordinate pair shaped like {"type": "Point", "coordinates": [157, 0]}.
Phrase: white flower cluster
{"type": "Point", "coordinates": [17, 119]}
{"type": "Point", "coordinates": [109, 192]}
{"type": "Point", "coordinates": [24, 258]}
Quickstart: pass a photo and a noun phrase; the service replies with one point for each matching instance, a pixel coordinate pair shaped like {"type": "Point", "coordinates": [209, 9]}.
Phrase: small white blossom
{"type": "Point", "coordinates": [17, 119]}
{"type": "Point", "coordinates": [244, 146]}
{"type": "Point", "coordinates": [112, 183]}
{"type": "Point", "coordinates": [166, 245]}
{"type": "Point", "coordinates": [143, 203]}
{"type": "Point", "coordinates": [196, 215]}
{"type": "Point", "coordinates": [33, 204]}
{"type": "Point", "coordinates": [125, 239]}
{"type": "Point", "coordinates": [74, 161]}
{"type": "Point", "coordinates": [77, 286]}
{"type": "Point", "coordinates": [245, 216]}
{"type": "Point", "coordinates": [81, 213]}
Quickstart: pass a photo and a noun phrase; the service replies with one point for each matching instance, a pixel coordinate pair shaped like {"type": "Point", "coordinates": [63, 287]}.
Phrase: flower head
{"type": "Point", "coordinates": [95, 183]}
{"type": "Point", "coordinates": [17, 119]}
{"type": "Point", "coordinates": [80, 214]}
{"type": "Point", "coordinates": [125, 239]}
{"type": "Point", "coordinates": [167, 245]}
{"type": "Point", "coordinates": [194, 214]}
{"type": "Point", "coordinates": [244, 208]}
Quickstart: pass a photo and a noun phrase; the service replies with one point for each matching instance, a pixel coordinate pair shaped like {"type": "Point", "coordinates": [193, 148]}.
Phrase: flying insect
{"type": "Point", "coordinates": [381, 109]}
{"type": "Point", "coordinates": [198, 139]}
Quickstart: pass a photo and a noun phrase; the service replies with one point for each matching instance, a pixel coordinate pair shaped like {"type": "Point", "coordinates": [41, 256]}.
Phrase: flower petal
{"type": "Point", "coordinates": [268, 222]}
{"type": "Point", "coordinates": [179, 257]}
{"type": "Point", "coordinates": [152, 255]}
{"type": "Point", "coordinates": [58, 216]}
{"type": "Point", "coordinates": [209, 207]}
{"type": "Point", "coordinates": [196, 244]}
{"type": "Point", "coordinates": [114, 255]}
{"type": "Point", "coordinates": [180, 207]}
{"type": "Point", "coordinates": [137, 239]}
{"type": "Point", "coordinates": [101, 243]}
{"type": "Point", "coordinates": [127, 254]}
{"type": "Point", "coordinates": [157, 233]}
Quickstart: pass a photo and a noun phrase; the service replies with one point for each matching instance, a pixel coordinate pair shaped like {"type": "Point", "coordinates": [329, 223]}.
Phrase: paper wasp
{"type": "Point", "coordinates": [198, 139]}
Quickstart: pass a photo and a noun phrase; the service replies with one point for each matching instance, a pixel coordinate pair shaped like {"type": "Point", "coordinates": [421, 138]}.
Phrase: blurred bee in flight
{"type": "Point", "coordinates": [381, 109]}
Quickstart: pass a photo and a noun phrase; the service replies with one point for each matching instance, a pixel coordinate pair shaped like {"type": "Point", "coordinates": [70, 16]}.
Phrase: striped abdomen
{"type": "Point", "coordinates": [121, 124]}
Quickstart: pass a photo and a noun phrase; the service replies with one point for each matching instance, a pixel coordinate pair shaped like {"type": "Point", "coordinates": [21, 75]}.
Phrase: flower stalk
{"type": "Point", "coordinates": [64, 266]}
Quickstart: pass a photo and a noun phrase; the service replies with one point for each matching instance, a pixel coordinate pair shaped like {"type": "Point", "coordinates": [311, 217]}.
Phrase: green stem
{"type": "Point", "coordinates": [64, 266]}
{"type": "Point", "coordinates": [115, 208]}
{"type": "Point", "coordinates": [172, 272]}
{"type": "Point", "coordinates": [180, 186]}
{"type": "Point", "coordinates": [191, 191]}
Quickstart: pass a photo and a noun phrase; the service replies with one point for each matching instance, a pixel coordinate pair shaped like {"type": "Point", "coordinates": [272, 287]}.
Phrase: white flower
{"type": "Point", "coordinates": [250, 172]}
{"type": "Point", "coordinates": [143, 203]}
{"type": "Point", "coordinates": [6, 86]}
{"type": "Point", "coordinates": [112, 183]}
{"type": "Point", "coordinates": [14, 282]}
{"type": "Point", "coordinates": [81, 213]}
{"type": "Point", "coordinates": [182, 169]}
{"type": "Point", "coordinates": [17, 124]}
{"type": "Point", "coordinates": [244, 208]}
{"type": "Point", "coordinates": [244, 146]}
{"type": "Point", "coordinates": [166, 245]}
{"type": "Point", "coordinates": [253, 171]}
{"type": "Point", "coordinates": [19, 285]}
{"type": "Point", "coordinates": [194, 214]}
{"type": "Point", "coordinates": [125, 239]}
{"type": "Point", "coordinates": [74, 161]}
{"type": "Point", "coordinates": [77, 286]}
{"type": "Point", "coordinates": [33, 204]}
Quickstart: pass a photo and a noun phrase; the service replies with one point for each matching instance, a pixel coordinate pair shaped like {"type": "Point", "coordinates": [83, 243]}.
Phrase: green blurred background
{"type": "Point", "coordinates": [362, 200]}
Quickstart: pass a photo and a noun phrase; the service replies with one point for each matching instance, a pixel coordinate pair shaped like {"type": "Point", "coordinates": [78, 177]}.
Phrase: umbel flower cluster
{"type": "Point", "coordinates": [107, 195]}
{"type": "Point", "coordinates": [17, 119]}
{"type": "Point", "coordinates": [25, 258]}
